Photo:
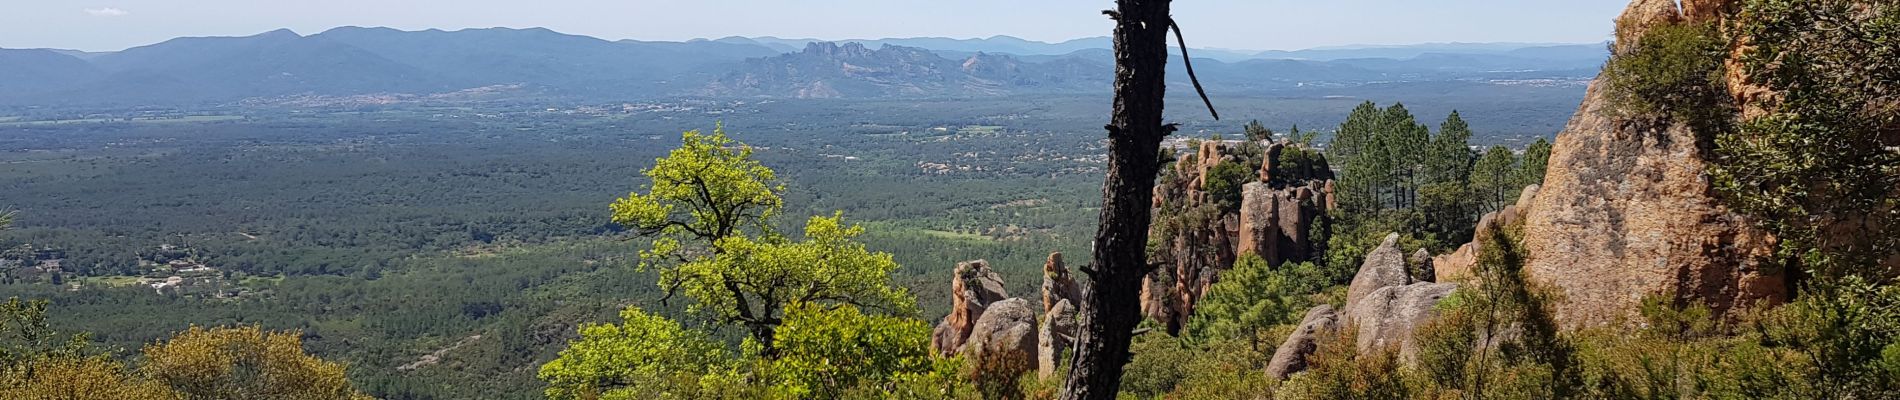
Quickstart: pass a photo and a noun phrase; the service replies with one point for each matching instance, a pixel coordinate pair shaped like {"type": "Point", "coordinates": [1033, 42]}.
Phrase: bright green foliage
{"type": "Point", "coordinates": [1252, 298]}
{"type": "Point", "coordinates": [644, 357]}
{"type": "Point", "coordinates": [1158, 366]}
{"type": "Point", "coordinates": [750, 281]}
{"type": "Point", "coordinates": [827, 350]}
{"type": "Point", "coordinates": [944, 380]}
{"type": "Point", "coordinates": [1494, 179]}
{"type": "Point", "coordinates": [708, 205]}
{"type": "Point", "coordinates": [708, 189]}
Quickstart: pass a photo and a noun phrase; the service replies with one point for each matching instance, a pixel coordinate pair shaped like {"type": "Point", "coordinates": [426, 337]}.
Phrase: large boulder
{"type": "Point", "coordinates": [1290, 357]}
{"type": "Point", "coordinates": [1056, 336]}
{"type": "Point", "coordinates": [973, 288]}
{"type": "Point", "coordinates": [1384, 266]}
{"type": "Point", "coordinates": [1003, 341]}
{"type": "Point", "coordinates": [1628, 210]}
{"type": "Point", "coordinates": [1387, 317]}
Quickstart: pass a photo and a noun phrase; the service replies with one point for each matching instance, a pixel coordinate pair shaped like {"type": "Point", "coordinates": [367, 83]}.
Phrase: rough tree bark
{"type": "Point", "coordinates": [1113, 307]}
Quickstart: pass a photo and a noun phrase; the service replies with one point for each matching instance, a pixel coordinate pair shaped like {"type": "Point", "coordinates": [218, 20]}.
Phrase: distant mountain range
{"type": "Point", "coordinates": [540, 62]}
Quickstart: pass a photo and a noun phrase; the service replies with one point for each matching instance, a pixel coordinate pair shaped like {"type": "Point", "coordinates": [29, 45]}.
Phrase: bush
{"type": "Point", "coordinates": [1673, 70]}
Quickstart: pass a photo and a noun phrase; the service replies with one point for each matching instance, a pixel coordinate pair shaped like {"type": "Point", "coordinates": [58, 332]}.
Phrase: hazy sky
{"type": "Point", "coordinates": [1235, 24]}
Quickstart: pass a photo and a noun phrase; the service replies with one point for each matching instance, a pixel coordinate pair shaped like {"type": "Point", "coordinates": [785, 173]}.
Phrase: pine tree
{"type": "Point", "coordinates": [1495, 179]}
{"type": "Point", "coordinates": [1536, 160]}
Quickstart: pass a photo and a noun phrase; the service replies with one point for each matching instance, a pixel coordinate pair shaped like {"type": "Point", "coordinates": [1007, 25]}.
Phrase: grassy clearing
{"type": "Point", "coordinates": [955, 235]}
{"type": "Point", "coordinates": [114, 281]}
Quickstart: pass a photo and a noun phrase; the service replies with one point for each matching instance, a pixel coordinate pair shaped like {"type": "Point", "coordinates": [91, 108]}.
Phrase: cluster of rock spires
{"type": "Point", "coordinates": [1004, 332]}
{"type": "Point", "coordinates": [1627, 210]}
{"type": "Point", "coordinates": [1273, 220]}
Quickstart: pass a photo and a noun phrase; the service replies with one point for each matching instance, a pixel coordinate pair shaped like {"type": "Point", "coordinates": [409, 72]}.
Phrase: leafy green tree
{"type": "Point", "coordinates": [1354, 148]}
{"type": "Point", "coordinates": [1252, 298]}
{"type": "Point", "coordinates": [1404, 138]}
{"type": "Point", "coordinates": [826, 351]}
{"type": "Point", "coordinates": [751, 281]}
{"type": "Point", "coordinates": [644, 357]}
{"type": "Point", "coordinates": [1445, 199]}
{"type": "Point", "coordinates": [708, 208]}
{"type": "Point", "coordinates": [708, 189]}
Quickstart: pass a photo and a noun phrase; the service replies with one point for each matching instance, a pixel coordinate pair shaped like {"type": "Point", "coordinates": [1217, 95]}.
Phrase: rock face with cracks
{"type": "Point", "coordinates": [1628, 210]}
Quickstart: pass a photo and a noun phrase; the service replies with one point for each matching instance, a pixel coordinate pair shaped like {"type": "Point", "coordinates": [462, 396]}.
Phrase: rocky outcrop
{"type": "Point", "coordinates": [1290, 357]}
{"type": "Point", "coordinates": [1459, 265]}
{"type": "Point", "coordinates": [1275, 223]}
{"type": "Point", "coordinates": [973, 288]}
{"type": "Point", "coordinates": [1388, 316]}
{"type": "Point", "coordinates": [1384, 266]}
{"type": "Point", "coordinates": [1056, 337]}
{"type": "Point", "coordinates": [1385, 304]}
{"type": "Point", "coordinates": [1203, 236]}
{"type": "Point", "coordinates": [1004, 339]}
{"type": "Point", "coordinates": [1057, 284]}
{"type": "Point", "coordinates": [1627, 210]}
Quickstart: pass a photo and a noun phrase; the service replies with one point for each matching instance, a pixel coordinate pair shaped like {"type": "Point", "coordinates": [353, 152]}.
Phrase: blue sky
{"type": "Point", "coordinates": [1234, 24]}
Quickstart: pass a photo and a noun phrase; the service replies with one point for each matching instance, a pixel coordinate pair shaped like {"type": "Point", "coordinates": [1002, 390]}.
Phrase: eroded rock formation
{"type": "Point", "coordinates": [1201, 236]}
{"type": "Point", "coordinates": [1056, 337]}
{"type": "Point", "coordinates": [973, 288]}
{"type": "Point", "coordinates": [1627, 209]}
{"type": "Point", "coordinates": [1057, 284]}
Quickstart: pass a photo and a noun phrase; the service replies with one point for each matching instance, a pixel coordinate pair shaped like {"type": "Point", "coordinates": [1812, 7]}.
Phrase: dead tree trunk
{"type": "Point", "coordinates": [1113, 305]}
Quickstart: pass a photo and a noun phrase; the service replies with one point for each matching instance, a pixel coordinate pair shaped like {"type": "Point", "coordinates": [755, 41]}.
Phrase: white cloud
{"type": "Point", "coordinates": [106, 12]}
